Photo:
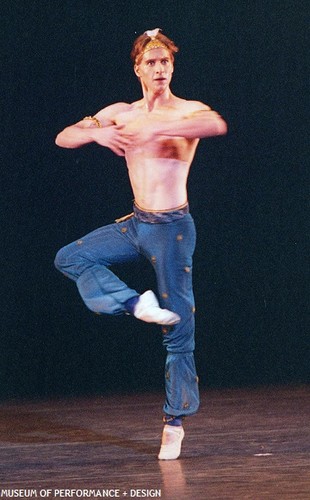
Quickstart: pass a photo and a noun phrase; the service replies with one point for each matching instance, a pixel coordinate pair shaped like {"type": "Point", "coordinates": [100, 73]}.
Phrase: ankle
{"type": "Point", "coordinates": [130, 304]}
{"type": "Point", "coordinates": [173, 420]}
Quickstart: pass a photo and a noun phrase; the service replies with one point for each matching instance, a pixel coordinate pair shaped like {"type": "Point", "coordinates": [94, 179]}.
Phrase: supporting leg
{"type": "Point", "coordinates": [170, 248]}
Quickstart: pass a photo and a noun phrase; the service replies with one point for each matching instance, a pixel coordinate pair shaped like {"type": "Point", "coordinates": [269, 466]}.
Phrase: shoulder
{"type": "Point", "coordinates": [189, 106]}
{"type": "Point", "coordinates": [192, 106]}
{"type": "Point", "coordinates": [109, 112]}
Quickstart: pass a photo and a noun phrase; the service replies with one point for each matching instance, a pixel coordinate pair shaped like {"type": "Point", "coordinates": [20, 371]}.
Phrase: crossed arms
{"type": "Point", "coordinates": [198, 122]}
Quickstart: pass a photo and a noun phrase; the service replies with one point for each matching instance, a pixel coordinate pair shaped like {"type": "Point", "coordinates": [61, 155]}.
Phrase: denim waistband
{"type": "Point", "coordinates": [160, 216]}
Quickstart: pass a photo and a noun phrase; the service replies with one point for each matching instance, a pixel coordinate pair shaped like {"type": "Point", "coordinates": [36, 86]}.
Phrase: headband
{"type": "Point", "coordinates": [154, 43]}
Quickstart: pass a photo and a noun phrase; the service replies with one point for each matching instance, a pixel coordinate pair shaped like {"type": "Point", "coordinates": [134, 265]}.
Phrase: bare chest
{"type": "Point", "coordinates": [139, 122]}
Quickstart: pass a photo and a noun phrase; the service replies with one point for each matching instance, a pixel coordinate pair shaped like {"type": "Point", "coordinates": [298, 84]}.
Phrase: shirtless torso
{"type": "Point", "coordinates": [158, 135]}
{"type": "Point", "coordinates": [158, 168]}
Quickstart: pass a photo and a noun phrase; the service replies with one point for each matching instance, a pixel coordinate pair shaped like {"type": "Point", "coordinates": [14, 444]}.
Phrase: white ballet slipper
{"type": "Point", "coordinates": [171, 442]}
{"type": "Point", "coordinates": [147, 309]}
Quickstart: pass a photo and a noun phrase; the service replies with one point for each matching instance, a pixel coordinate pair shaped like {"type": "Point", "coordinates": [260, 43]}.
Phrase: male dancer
{"type": "Point", "coordinates": [158, 136]}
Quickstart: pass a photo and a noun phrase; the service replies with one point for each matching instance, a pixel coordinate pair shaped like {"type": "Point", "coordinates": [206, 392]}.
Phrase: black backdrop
{"type": "Point", "coordinates": [62, 60]}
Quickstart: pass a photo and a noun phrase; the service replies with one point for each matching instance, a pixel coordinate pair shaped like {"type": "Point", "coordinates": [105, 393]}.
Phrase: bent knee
{"type": "Point", "coordinates": [66, 259]}
{"type": "Point", "coordinates": [72, 260]}
{"type": "Point", "coordinates": [60, 260]}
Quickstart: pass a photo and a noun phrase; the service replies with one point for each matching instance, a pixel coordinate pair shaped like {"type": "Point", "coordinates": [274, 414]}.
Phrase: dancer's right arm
{"type": "Point", "coordinates": [101, 129]}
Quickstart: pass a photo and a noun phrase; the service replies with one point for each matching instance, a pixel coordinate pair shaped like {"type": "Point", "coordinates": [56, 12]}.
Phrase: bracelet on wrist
{"type": "Point", "coordinates": [93, 119]}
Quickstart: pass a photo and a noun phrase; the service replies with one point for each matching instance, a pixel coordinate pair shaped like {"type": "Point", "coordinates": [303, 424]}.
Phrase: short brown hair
{"type": "Point", "coordinates": [141, 42]}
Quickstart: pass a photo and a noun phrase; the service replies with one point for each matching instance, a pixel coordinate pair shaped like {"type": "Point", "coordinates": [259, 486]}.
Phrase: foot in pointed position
{"type": "Point", "coordinates": [171, 442]}
{"type": "Point", "coordinates": [147, 309]}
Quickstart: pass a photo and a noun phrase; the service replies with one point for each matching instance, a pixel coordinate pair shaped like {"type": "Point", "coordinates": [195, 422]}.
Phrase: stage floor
{"type": "Point", "coordinates": [243, 444]}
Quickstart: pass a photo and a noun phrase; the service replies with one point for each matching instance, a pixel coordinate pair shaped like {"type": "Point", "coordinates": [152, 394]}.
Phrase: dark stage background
{"type": "Point", "coordinates": [62, 60]}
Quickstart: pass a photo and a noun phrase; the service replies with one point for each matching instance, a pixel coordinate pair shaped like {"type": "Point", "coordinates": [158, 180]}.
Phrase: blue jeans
{"type": "Point", "coordinates": [167, 240]}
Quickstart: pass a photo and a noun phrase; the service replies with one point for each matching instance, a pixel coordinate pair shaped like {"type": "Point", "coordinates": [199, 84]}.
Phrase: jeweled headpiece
{"type": "Point", "coordinates": [154, 43]}
{"type": "Point", "coordinates": [151, 39]}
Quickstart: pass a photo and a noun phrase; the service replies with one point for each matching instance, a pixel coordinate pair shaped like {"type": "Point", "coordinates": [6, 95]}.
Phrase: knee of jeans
{"type": "Point", "coordinates": [61, 259]}
{"type": "Point", "coordinates": [58, 262]}
{"type": "Point", "coordinates": [176, 347]}
{"type": "Point", "coordinates": [181, 337]}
